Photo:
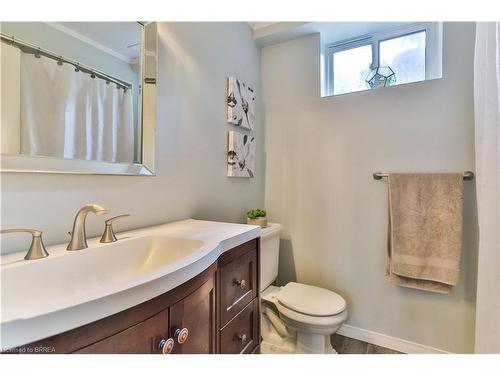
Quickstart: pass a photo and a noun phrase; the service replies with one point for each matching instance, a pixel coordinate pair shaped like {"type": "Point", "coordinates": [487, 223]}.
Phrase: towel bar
{"type": "Point", "coordinates": [468, 175]}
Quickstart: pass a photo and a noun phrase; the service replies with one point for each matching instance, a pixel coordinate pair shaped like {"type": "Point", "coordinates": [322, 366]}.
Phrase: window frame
{"type": "Point", "coordinates": [433, 46]}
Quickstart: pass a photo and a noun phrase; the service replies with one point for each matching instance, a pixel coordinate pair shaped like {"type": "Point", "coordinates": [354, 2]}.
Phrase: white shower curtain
{"type": "Point", "coordinates": [487, 133]}
{"type": "Point", "coordinates": [68, 114]}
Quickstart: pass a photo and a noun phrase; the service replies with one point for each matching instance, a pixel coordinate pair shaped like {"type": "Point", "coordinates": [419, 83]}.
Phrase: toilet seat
{"type": "Point", "coordinates": [309, 322]}
{"type": "Point", "coordinates": [310, 300]}
{"type": "Point", "coordinates": [309, 307]}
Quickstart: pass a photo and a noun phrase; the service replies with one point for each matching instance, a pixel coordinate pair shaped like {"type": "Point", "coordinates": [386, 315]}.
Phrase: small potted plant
{"type": "Point", "coordinates": [257, 217]}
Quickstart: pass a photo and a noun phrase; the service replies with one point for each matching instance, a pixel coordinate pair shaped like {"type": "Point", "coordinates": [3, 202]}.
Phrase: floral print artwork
{"type": "Point", "coordinates": [240, 104]}
{"type": "Point", "coordinates": [240, 155]}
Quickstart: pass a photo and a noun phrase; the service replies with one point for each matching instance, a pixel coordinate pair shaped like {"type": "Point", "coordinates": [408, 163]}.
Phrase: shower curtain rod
{"type": "Point", "coordinates": [37, 51]}
{"type": "Point", "coordinates": [468, 175]}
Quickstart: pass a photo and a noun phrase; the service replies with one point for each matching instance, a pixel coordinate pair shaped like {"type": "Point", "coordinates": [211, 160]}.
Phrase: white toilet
{"type": "Point", "coordinates": [295, 318]}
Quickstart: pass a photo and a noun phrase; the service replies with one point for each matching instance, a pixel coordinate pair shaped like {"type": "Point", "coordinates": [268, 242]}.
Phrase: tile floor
{"type": "Point", "coordinates": [346, 345]}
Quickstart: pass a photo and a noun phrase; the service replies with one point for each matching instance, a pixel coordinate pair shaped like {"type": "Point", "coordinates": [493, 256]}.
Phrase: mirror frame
{"type": "Point", "coordinates": [11, 163]}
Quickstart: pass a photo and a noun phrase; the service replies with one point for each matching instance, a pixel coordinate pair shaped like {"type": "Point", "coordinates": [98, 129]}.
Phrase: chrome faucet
{"type": "Point", "coordinates": [78, 235]}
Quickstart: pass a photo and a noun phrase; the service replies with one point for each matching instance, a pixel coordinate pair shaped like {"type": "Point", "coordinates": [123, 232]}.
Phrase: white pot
{"type": "Point", "coordinates": [262, 221]}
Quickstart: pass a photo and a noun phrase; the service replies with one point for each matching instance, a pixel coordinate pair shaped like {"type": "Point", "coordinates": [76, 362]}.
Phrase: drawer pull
{"type": "Point", "coordinates": [241, 283]}
{"type": "Point", "coordinates": [181, 335]}
{"type": "Point", "coordinates": [166, 346]}
{"type": "Point", "coordinates": [242, 338]}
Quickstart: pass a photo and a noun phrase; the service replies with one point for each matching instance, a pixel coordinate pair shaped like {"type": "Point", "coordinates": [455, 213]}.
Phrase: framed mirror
{"type": "Point", "coordinates": [78, 97]}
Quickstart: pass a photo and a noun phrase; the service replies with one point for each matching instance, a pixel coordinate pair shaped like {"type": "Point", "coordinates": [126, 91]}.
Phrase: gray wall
{"type": "Point", "coordinates": [194, 62]}
{"type": "Point", "coordinates": [320, 155]}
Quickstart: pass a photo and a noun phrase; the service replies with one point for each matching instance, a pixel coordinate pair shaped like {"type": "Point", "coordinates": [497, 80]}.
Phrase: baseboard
{"type": "Point", "coordinates": [389, 342]}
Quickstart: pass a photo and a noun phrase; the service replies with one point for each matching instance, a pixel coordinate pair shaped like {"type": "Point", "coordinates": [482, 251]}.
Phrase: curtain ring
{"type": "Point", "coordinates": [37, 53]}
{"type": "Point", "coordinates": [60, 62]}
{"type": "Point", "coordinates": [77, 68]}
{"type": "Point", "coordinates": [92, 74]}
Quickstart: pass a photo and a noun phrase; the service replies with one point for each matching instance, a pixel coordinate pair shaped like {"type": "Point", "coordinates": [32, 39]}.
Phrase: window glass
{"type": "Point", "coordinates": [350, 69]}
{"type": "Point", "coordinates": [405, 55]}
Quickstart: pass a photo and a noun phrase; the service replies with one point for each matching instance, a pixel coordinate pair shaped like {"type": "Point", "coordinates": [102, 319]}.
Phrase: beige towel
{"type": "Point", "coordinates": [425, 230]}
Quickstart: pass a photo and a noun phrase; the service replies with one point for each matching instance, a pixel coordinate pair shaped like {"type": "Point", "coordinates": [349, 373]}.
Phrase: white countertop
{"type": "Point", "coordinates": [39, 320]}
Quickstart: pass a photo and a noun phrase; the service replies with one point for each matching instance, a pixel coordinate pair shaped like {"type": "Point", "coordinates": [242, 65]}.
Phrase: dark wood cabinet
{"type": "Point", "coordinates": [194, 314]}
{"type": "Point", "coordinates": [143, 338]}
{"type": "Point", "coordinates": [190, 322]}
{"type": "Point", "coordinates": [215, 312]}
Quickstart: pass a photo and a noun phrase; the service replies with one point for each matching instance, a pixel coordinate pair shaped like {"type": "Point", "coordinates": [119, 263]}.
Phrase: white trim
{"type": "Point", "coordinates": [389, 342]}
{"type": "Point", "coordinates": [260, 25]}
{"type": "Point", "coordinates": [88, 40]}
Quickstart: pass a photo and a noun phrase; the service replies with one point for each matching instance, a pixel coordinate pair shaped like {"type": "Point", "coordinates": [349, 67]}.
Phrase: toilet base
{"type": "Point", "coordinates": [311, 343]}
{"type": "Point", "coordinates": [318, 345]}
{"type": "Point", "coordinates": [267, 347]}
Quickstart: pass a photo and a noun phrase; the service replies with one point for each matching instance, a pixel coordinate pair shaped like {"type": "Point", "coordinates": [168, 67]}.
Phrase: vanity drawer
{"type": "Point", "coordinates": [241, 334]}
{"type": "Point", "coordinates": [237, 280]}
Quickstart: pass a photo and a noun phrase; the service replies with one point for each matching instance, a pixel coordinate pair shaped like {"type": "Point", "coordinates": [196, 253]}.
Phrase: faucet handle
{"type": "Point", "coordinates": [109, 234]}
{"type": "Point", "coordinates": [110, 220]}
{"type": "Point", "coordinates": [37, 248]}
{"type": "Point", "coordinates": [34, 232]}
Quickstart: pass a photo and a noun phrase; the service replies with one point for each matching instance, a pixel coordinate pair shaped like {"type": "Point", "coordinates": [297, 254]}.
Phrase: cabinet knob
{"type": "Point", "coordinates": [166, 346]}
{"type": "Point", "coordinates": [242, 338]}
{"type": "Point", "coordinates": [241, 283]}
{"type": "Point", "coordinates": [181, 335]}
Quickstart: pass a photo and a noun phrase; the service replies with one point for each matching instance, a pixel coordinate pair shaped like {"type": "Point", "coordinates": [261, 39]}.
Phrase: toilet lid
{"type": "Point", "coordinates": [310, 300]}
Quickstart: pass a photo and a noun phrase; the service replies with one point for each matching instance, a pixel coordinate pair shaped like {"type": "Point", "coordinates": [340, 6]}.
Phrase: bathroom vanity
{"type": "Point", "coordinates": [207, 303]}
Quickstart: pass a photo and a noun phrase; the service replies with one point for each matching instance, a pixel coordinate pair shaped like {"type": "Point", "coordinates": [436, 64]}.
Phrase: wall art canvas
{"type": "Point", "coordinates": [240, 155]}
{"type": "Point", "coordinates": [240, 104]}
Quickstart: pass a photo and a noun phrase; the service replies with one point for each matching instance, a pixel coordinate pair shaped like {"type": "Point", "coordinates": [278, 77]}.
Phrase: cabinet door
{"type": "Point", "coordinates": [196, 314]}
{"type": "Point", "coordinates": [143, 338]}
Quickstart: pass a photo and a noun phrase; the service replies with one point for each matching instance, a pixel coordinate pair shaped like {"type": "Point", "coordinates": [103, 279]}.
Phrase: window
{"type": "Point", "coordinates": [350, 68]}
{"type": "Point", "coordinates": [406, 57]}
{"type": "Point", "coordinates": [408, 54]}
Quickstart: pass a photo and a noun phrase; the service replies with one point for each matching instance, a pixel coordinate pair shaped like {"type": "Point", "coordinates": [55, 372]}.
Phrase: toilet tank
{"type": "Point", "coordinates": [269, 254]}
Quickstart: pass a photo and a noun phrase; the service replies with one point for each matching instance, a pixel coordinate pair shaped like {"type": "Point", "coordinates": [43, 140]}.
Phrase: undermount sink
{"type": "Point", "coordinates": [66, 279]}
